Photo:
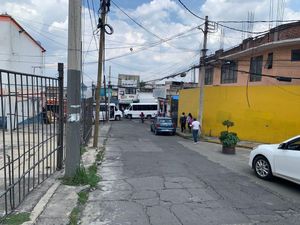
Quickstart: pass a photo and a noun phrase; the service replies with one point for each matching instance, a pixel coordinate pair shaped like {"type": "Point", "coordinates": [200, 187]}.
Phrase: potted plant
{"type": "Point", "coordinates": [228, 139]}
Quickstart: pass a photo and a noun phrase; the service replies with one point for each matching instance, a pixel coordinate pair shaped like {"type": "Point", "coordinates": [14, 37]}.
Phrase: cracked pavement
{"type": "Point", "coordinates": [163, 180]}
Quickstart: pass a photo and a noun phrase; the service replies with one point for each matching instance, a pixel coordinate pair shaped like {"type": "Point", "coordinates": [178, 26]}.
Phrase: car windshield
{"type": "Point", "coordinates": [165, 121]}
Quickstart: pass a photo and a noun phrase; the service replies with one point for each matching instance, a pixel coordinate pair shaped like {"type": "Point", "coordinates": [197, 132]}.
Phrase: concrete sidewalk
{"type": "Point", "coordinates": [52, 202]}
{"type": "Point", "coordinates": [242, 143]}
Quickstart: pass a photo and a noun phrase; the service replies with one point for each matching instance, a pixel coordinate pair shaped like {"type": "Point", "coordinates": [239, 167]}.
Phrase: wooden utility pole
{"type": "Point", "coordinates": [202, 72]}
{"type": "Point", "coordinates": [73, 89]}
{"type": "Point", "coordinates": [100, 69]}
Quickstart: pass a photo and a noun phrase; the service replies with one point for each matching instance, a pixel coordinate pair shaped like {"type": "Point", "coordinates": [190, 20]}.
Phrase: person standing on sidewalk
{"type": "Point", "coordinates": [189, 121]}
{"type": "Point", "coordinates": [183, 122]}
{"type": "Point", "coordinates": [195, 128]}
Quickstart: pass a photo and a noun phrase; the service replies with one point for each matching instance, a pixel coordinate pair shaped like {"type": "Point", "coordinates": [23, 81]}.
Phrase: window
{"type": "Point", "coordinates": [295, 55]}
{"type": "Point", "coordinates": [130, 91]}
{"type": "Point", "coordinates": [294, 145]}
{"type": "Point", "coordinates": [256, 68]}
{"type": "Point", "coordinates": [209, 76]}
{"type": "Point", "coordinates": [269, 63]}
{"type": "Point", "coordinates": [229, 73]}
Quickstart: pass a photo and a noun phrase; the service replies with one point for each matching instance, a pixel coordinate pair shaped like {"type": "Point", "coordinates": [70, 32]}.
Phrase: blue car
{"type": "Point", "coordinates": [163, 125]}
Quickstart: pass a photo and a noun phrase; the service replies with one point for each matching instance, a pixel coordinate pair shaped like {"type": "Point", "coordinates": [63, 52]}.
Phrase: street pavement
{"type": "Point", "coordinates": [168, 180]}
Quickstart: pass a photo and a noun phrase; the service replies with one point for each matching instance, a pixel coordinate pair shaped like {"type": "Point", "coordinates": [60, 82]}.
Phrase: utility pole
{"type": "Point", "coordinates": [109, 91]}
{"type": "Point", "coordinates": [105, 99]}
{"type": "Point", "coordinates": [73, 89]}
{"type": "Point", "coordinates": [100, 68]}
{"type": "Point", "coordinates": [202, 72]}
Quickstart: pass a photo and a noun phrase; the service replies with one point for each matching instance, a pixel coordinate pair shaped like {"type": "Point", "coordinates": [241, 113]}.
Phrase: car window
{"type": "Point", "coordinates": [294, 145]}
{"type": "Point", "coordinates": [165, 121]}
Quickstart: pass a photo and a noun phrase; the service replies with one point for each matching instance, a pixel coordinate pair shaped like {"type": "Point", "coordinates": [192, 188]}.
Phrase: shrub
{"type": "Point", "coordinates": [228, 139]}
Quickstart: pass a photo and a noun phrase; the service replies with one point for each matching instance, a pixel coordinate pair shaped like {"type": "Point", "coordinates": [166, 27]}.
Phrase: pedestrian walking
{"type": "Point", "coordinates": [142, 115]}
{"type": "Point", "coordinates": [195, 127]}
{"type": "Point", "coordinates": [183, 122]}
{"type": "Point", "coordinates": [189, 120]}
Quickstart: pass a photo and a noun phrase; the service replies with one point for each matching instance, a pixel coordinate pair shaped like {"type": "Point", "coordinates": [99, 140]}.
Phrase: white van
{"type": "Point", "coordinates": [115, 113]}
{"type": "Point", "coordinates": [135, 110]}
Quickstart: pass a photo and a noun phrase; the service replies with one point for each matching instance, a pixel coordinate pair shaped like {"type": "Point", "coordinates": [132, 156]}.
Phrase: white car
{"type": "Point", "coordinates": [281, 160]}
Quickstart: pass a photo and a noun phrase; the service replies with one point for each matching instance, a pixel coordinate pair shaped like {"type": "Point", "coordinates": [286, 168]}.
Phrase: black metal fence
{"type": "Point", "coordinates": [31, 145]}
{"type": "Point", "coordinates": [86, 119]}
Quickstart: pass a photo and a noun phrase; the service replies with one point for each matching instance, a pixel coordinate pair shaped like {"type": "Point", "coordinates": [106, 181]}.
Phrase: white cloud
{"type": "Point", "coordinates": [47, 20]}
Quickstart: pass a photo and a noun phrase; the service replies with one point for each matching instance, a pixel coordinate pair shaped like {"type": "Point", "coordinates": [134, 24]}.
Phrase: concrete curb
{"type": "Point", "coordinates": [41, 205]}
{"type": "Point", "coordinates": [212, 141]}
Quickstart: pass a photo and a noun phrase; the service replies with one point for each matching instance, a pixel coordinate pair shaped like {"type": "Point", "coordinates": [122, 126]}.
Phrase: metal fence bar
{"type": "Point", "coordinates": [4, 147]}
{"type": "Point", "coordinates": [60, 134]}
{"type": "Point", "coordinates": [32, 131]}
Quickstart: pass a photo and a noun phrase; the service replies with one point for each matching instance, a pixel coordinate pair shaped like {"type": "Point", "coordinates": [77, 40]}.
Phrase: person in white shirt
{"type": "Point", "coordinates": [195, 128]}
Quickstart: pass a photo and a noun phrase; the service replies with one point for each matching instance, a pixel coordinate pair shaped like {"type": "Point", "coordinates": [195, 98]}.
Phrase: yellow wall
{"type": "Point", "coordinates": [273, 114]}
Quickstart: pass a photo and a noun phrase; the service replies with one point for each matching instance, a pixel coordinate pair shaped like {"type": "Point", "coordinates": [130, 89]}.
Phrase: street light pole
{"type": "Point", "coordinates": [202, 72]}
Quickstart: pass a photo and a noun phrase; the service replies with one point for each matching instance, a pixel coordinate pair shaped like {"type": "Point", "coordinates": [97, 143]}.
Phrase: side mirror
{"type": "Point", "coordinates": [282, 146]}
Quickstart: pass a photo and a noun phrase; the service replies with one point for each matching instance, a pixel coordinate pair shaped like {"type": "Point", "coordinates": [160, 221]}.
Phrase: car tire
{"type": "Point", "coordinates": [129, 117]}
{"type": "Point", "coordinates": [173, 133]}
{"type": "Point", "coordinates": [262, 168]}
{"type": "Point", "coordinates": [149, 117]}
{"type": "Point", "coordinates": [118, 118]}
{"type": "Point", "coordinates": [155, 132]}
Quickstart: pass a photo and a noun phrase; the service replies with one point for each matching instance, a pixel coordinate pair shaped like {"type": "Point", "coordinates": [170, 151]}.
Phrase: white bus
{"type": "Point", "coordinates": [115, 113]}
{"type": "Point", "coordinates": [135, 110]}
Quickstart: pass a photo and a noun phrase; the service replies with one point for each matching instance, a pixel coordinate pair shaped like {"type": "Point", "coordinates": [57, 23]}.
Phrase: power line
{"type": "Point", "coordinates": [92, 23]}
{"type": "Point", "coordinates": [219, 23]}
{"type": "Point", "coordinates": [141, 26]}
{"type": "Point", "coordinates": [190, 11]}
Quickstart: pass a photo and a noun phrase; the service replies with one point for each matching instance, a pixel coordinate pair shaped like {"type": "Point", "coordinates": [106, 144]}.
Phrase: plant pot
{"type": "Point", "coordinates": [228, 150]}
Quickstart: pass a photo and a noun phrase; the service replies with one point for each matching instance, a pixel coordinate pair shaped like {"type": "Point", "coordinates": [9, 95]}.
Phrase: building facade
{"type": "Point", "coordinates": [22, 54]}
{"type": "Point", "coordinates": [258, 60]}
{"type": "Point", "coordinates": [19, 51]}
{"type": "Point", "coordinates": [256, 85]}
{"type": "Point", "coordinates": [128, 86]}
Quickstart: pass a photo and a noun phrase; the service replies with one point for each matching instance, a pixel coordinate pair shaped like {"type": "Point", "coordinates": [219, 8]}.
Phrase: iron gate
{"type": "Point", "coordinates": [31, 149]}
{"type": "Point", "coordinates": [86, 119]}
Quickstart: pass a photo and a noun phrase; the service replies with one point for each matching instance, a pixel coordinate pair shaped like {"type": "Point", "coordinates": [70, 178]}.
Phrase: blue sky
{"type": "Point", "coordinates": [132, 50]}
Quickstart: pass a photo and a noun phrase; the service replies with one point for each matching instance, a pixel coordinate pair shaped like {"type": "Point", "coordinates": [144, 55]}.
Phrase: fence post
{"type": "Point", "coordinates": [60, 133]}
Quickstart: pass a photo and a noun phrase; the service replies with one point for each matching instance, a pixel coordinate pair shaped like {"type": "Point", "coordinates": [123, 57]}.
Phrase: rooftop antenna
{"type": "Point", "coordinates": [271, 11]}
{"type": "Point", "coordinates": [250, 23]}
{"type": "Point", "coordinates": [280, 11]}
{"type": "Point", "coordinates": [222, 36]}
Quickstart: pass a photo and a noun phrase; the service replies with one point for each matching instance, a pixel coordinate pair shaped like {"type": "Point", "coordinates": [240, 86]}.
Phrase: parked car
{"type": "Point", "coordinates": [280, 160]}
{"type": "Point", "coordinates": [163, 125]}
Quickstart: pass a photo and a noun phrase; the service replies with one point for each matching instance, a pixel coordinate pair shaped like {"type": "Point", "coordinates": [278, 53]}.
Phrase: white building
{"type": "Point", "coordinates": [128, 86]}
{"type": "Point", "coordinates": [19, 51]}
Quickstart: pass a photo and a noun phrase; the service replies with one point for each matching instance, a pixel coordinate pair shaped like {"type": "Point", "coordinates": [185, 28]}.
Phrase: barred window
{"type": "Point", "coordinates": [229, 72]}
{"type": "Point", "coordinates": [295, 55]}
{"type": "Point", "coordinates": [256, 68]}
{"type": "Point", "coordinates": [269, 63]}
{"type": "Point", "coordinates": [209, 76]}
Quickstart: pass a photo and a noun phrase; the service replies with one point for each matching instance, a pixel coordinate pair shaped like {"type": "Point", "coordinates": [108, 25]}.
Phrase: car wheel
{"type": "Point", "coordinates": [173, 133]}
{"type": "Point", "coordinates": [129, 117]}
{"type": "Point", "coordinates": [155, 132]}
{"type": "Point", "coordinates": [262, 168]}
{"type": "Point", "coordinates": [148, 117]}
{"type": "Point", "coordinates": [118, 118]}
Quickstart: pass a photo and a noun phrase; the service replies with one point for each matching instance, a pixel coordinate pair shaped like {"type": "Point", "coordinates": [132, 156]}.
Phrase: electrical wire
{"type": "Point", "coordinates": [88, 4]}
{"type": "Point", "coordinates": [143, 27]}
{"type": "Point", "coordinates": [219, 23]}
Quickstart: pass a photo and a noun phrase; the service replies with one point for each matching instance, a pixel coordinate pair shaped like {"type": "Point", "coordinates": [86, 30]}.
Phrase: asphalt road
{"type": "Point", "coordinates": [166, 180]}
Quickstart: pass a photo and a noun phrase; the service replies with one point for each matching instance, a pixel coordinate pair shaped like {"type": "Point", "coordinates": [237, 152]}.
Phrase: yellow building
{"type": "Point", "coordinates": [244, 85]}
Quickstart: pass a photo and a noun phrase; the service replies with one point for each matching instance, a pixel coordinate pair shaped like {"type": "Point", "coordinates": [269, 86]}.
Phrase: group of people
{"type": "Point", "coordinates": [192, 123]}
